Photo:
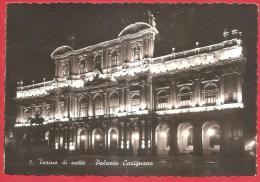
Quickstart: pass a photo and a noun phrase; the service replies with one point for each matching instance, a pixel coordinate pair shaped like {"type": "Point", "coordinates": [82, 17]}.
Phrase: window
{"type": "Point", "coordinates": [135, 102]}
{"type": "Point", "coordinates": [114, 103]}
{"type": "Point", "coordinates": [230, 88]}
{"type": "Point", "coordinates": [114, 59]}
{"type": "Point", "coordinates": [210, 94]}
{"type": "Point", "coordinates": [82, 66]}
{"type": "Point", "coordinates": [136, 53]}
{"type": "Point", "coordinates": [83, 108]}
{"type": "Point", "coordinates": [185, 97]}
{"type": "Point", "coordinates": [98, 63]}
{"type": "Point", "coordinates": [190, 137]}
{"type": "Point", "coordinates": [162, 101]}
{"type": "Point", "coordinates": [98, 105]}
{"type": "Point", "coordinates": [48, 110]}
{"type": "Point", "coordinates": [65, 69]}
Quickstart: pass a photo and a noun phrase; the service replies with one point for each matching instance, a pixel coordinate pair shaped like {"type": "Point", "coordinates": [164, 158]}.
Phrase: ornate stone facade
{"type": "Point", "coordinates": [116, 98]}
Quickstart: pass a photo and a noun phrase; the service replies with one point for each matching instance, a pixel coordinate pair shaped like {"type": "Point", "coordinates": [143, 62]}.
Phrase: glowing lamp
{"type": "Point", "coordinates": [135, 136]}
{"type": "Point", "coordinates": [83, 137]}
{"type": "Point", "coordinates": [98, 137]}
{"type": "Point", "coordinates": [185, 133]}
{"type": "Point", "coordinates": [47, 137]}
{"type": "Point", "coordinates": [211, 132]}
{"type": "Point", "coordinates": [114, 136]}
{"type": "Point", "coordinates": [163, 134]}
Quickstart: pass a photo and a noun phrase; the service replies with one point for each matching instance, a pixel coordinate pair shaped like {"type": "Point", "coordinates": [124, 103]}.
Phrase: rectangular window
{"type": "Point", "coordinates": [185, 101]}
{"type": "Point", "coordinates": [230, 97]}
{"type": "Point", "coordinates": [135, 104]}
{"type": "Point", "coordinates": [114, 105]}
{"type": "Point", "coordinates": [162, 103]}
{"type": "Point", "coordinates": [98, 107]}
{"type": "Point", "coordinates": [210, 98]}
{"type": "Point", "coordinates": [72, 146]}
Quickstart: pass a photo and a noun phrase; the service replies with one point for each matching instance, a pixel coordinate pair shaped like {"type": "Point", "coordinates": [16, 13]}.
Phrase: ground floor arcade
{"type": "Point", "coordinates": [207, 133]}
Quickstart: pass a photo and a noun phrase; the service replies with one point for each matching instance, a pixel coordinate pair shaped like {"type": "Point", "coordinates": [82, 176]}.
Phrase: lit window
{"type": "Point", "coordinates": [56, 146]}
{"type": "Point", "coordinates": [190, 137]}
{"type": "Point", "coordinates": [162, 101]}
{"type": "Point", "coordinates": [114, 103]}
{"type": "Point", "coordinates": [135, 102]}
{"type": "Point", "coordinates": [82, 66]}
{"type": "Point", "coordinates": [65, 69]}
{"type": "Point", "coordinates": [230, 88]}
{"type": "Point", "coordinates": [136, 53]}
{"type": "Point", "coordinates": [83, 108]}
{"type": "Point", "coordinates": [114, 59]}
{"type": "Point", "coordinates": [185, 97]}
{"type": "Point", "coordinates": [72, 145]}
{"type": "Point", "coordinates": [98, 105]}
{"type": "Point", "coordinates": [98, 63]}
{"type": "Point", "coordinates": [210, 94]}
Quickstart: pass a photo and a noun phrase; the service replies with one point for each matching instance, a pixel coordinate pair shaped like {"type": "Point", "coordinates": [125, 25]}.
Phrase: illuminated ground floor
{"type": "Point", "coordinates": [204, 133]}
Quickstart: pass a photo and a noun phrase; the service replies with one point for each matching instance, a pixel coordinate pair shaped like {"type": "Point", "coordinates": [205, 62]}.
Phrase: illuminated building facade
{"type": "Point", "coordinates": [115, 97]}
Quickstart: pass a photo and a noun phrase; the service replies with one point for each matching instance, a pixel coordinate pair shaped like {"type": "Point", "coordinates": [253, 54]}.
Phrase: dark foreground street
{"type": "Point", "coordinates": [184, 165]}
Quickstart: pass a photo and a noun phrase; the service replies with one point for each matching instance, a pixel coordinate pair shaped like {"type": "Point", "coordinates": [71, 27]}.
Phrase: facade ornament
{"type": "Point", "coordinates": [151, 19]}
{"type": "Point", "coordinates": [147, 62]}
{"type": "Point", "coordinates": [225, 34]}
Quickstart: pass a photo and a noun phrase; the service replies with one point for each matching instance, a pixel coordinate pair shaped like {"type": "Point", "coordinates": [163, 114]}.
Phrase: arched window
{"type": "Point", "coordinates": [114, 59]}
{"type": "Point", "coordinates": [209, 94]}
{"type": "Point", "coordinates": [136, 52]}
{"type": "Point", "coordinates": [83, 106]}
{"type": "Point", "coordinates": [185, 97]}
{"type": "Point", "coordinates": [98, 105]}
{"type": "Point", "coordinates": [135, 102]}
{"type": "Point", "coordinates": [162, 100]}
{"type": "Point", "coordinates": [114, 103]}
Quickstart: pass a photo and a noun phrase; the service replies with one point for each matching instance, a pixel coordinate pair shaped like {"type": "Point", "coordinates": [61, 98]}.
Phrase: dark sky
{"type": "Point", "coordinates": [34, 31]}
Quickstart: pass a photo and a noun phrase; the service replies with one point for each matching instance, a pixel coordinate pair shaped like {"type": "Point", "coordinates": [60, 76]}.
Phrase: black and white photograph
{"type": "Point", "coordinates": [131, 89]}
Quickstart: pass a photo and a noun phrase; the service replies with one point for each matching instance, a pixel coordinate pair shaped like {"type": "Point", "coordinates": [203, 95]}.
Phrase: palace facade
{"type": "Point", "coordinates": [115, 97]}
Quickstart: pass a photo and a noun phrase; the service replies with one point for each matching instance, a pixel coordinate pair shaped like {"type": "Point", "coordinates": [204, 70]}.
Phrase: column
{"type": "Point", "coordinates": [221, 92]}
{"type": "Point", "coordinates": [153, 136]}
{"type": "Point", "coordinates": [174, 138]}
{"type": "Point", "coordinates": [122, 136]}
{"type": "Point", "coordinates": [197, 138]}
{"type": "Point", "coordinates": [106, 137]}
{"type": "Point", "coordinates": [143, 96]}
{"type": "Point", "coordinates": [110, 60]}
{"type": "Point", "coordinates": [128, 100]}
{"type": "Point", "coordinates": [173, 95]}
{"type": "Point", "coordinates": [148, 136]}
{"type": "Point", "coordinates": [196, 100]}
{"type": "Point", "coordinates": [143, 138]}
{"type": "Point", "coordinates": [90, 108]}
{"type": "Point", "coordinates": [122, 99]}
{"type": "Point", "coordinates": [105, 110]}
{"type": "Point", "coordinates": [150, 95]}
{"type": "Point", "coordinates": [75, 107]}
{"type": "Point", "coordinates": [239, 89]}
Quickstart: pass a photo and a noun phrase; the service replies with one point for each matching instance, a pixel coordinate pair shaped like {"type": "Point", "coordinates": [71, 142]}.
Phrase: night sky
{"type": "Point", "coordinates": [34, 31]}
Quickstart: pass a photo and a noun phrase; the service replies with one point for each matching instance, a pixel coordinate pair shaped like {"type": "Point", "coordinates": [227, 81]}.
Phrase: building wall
{"type": "Point", "coordinates": [192, 106]}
